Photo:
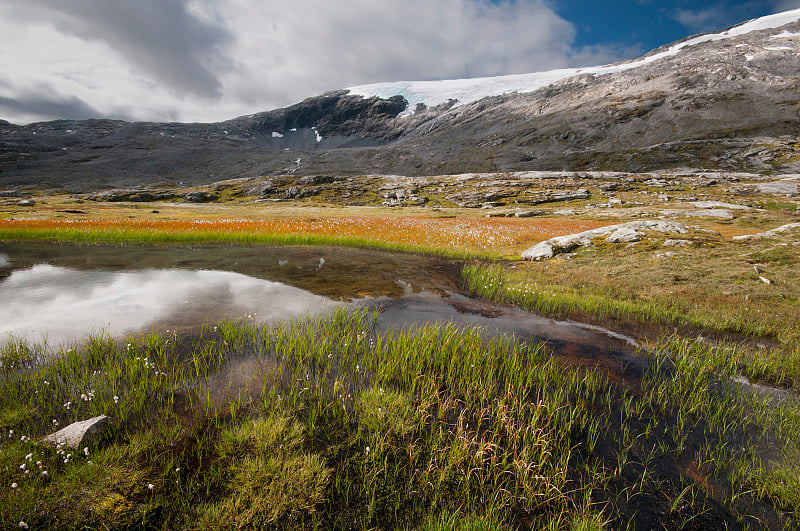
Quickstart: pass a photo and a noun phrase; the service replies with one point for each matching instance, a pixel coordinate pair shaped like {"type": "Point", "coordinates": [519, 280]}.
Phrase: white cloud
{"type": "Point", "coordinates": [701, 20]}
{"type": "Point", "coordinates": [204, 60]}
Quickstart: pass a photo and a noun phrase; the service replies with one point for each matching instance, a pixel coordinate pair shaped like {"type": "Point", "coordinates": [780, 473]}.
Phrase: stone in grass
{"type": "Point", "coordinates": [200, 197]}
{"type": "Point", "coordinates": [676, 243]}
{"type": "Point", "coordinates": [80, 434]}
{"type": "Point", "coordinates": [624, 235]}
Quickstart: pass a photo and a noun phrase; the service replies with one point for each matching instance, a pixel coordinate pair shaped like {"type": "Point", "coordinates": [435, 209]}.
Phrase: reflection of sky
{"type": "Point", "coordinates": [3, 260]}
{"type": "Point", "coordinates": [60, 304]}
{"type": "Point", "coordinates": [425, 308]}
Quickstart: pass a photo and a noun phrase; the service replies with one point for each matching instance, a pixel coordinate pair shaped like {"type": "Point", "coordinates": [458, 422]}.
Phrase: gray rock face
{"type": "Point", "coordinates": [774, 233]}
{"type": "Point", "coordinates": [80, 434]}
{"type": "Point", "coordinates": [676, 243]}
{"type": "Point", "coordinates": [787, 187]}
{"type": "Point", "coordinates": [9, 193]}
{"type": "Point", "coordinates": [200, 197]}
{"type": "Point", "coordinates": [548, 249]}
{"type": "Point", "coordinates": [316, 180]}
{"type": "Point", "coordinates": [132, 195]}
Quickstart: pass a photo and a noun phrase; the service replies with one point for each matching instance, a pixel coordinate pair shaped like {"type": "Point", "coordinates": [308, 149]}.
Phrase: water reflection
{"type": "Point", "coordinates": [62, 304]}
{"type": "Point", "coordinates": [63, 292]}
{"type": "Point", "coordinates": [577, 342]}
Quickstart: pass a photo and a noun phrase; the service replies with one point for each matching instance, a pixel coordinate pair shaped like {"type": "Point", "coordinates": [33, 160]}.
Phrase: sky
{"type": "Point", "coordinates": [211, 60]}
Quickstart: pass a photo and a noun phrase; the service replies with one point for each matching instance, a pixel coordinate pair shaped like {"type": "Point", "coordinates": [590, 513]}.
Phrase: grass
{"type": "Point", "coordinates": [709, 284]}
{"type": "Point", "coordinates": [339, 426]}
{"type": "Point", "coordinates": [452, 237]}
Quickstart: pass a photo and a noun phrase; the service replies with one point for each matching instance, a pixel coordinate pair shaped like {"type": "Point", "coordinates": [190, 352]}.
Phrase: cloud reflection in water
{"type": "Point", "coordinates": [60, 304]}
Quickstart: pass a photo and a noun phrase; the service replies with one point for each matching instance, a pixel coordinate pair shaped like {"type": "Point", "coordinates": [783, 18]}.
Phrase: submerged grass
{"type": "Point", "coordinates": [538, 292]}
{"type": "Point", "coordinates": [338, 426]}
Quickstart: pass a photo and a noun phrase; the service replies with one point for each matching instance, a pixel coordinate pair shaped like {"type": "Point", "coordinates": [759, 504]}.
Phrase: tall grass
{"type": "Point", "coordinates": [495, 283]}
{"type": "Point", "coordinates": [328, 423]}
{"type": "Point", "coordinates": [84, 235]}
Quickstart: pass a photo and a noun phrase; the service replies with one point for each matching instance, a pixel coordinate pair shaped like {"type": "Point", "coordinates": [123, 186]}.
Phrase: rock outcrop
{"type": "Point", "coordinates": [625, 232]}
{"type": "Point", "coordinates": [774, 233]}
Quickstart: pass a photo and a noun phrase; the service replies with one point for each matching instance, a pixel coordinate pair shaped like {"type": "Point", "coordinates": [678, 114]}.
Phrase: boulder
{"type": "Point", "coordinates": [528, 213]}
{"type": "Point", "coordinates": [80, 434]}
{"type": "Point", "coordinates": [27, 203]}
{"type": "Point", "coordinates": [540, 251]}
{"type": "Point", "coordinates": [200, 197]}
{"type": "Point", "coordinates": [624, 235]}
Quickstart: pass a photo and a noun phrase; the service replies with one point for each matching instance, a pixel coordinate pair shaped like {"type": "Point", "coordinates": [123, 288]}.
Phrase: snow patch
{"type": "Point", "coordinates": [276, 134]}
{"type": "Point", "coordinates": [778, 48]}
{"type": "Point", "coordinates": [785, 34]}
{"type": "Point", "coordinates": [434, 93]}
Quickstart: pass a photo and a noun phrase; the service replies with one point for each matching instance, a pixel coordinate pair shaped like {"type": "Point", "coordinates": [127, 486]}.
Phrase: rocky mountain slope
{"type": "Point", "coordinates": [728, 101]}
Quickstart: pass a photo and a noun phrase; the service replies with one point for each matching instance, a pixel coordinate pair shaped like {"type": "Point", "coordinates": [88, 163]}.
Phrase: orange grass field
{"type": "Point", "coordinates": [497, 236]}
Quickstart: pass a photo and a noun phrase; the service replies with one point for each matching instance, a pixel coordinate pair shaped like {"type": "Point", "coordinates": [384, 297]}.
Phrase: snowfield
{"type": "Point", "coordinates": [433, 93]}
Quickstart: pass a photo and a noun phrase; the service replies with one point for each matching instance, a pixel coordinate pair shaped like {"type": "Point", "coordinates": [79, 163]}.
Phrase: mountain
{"type": "Point", "coordinates": [728, 100]}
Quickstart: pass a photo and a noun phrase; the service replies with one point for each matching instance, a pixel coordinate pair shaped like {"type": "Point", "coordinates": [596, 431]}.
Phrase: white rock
{"type": "Point", "coordinates": [676, 243]}
{"type": "Point", "coordinates": [719, 204]}
{"type": "Point", "coordinates": [541, 251]}
{"type": "Point", "coordinates": [624, 235]}
{"type": "Point", "coordinates": [79, 434]}
{"type": "Point", "coordinates": [770, 233]}
{"type": "Point", "coordinates": [559, 244]}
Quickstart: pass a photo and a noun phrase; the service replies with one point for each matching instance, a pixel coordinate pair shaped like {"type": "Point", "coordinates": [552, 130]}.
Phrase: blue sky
{"type": "Point", "coordinates": [646, 24]}
{"type": "Point", "coordinates": [210, 60]}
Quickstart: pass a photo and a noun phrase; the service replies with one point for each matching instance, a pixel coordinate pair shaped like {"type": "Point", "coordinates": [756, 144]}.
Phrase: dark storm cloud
{"type": "Point", "coordinates": [68, 109]}
{"type": "Point", "coordinates": [161, 37]}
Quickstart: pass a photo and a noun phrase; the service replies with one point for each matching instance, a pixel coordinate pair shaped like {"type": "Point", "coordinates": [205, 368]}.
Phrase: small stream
{"type": "Point", "coordinates": [61, 293]}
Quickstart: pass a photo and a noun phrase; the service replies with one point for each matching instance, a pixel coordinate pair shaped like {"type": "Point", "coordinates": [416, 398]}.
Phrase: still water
{"type": "Point", "coordinates": [63, 292]}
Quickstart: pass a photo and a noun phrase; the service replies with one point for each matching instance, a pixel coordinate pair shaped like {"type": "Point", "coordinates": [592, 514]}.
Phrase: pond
{"type": "Point", "coordinates": [61, 293]}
